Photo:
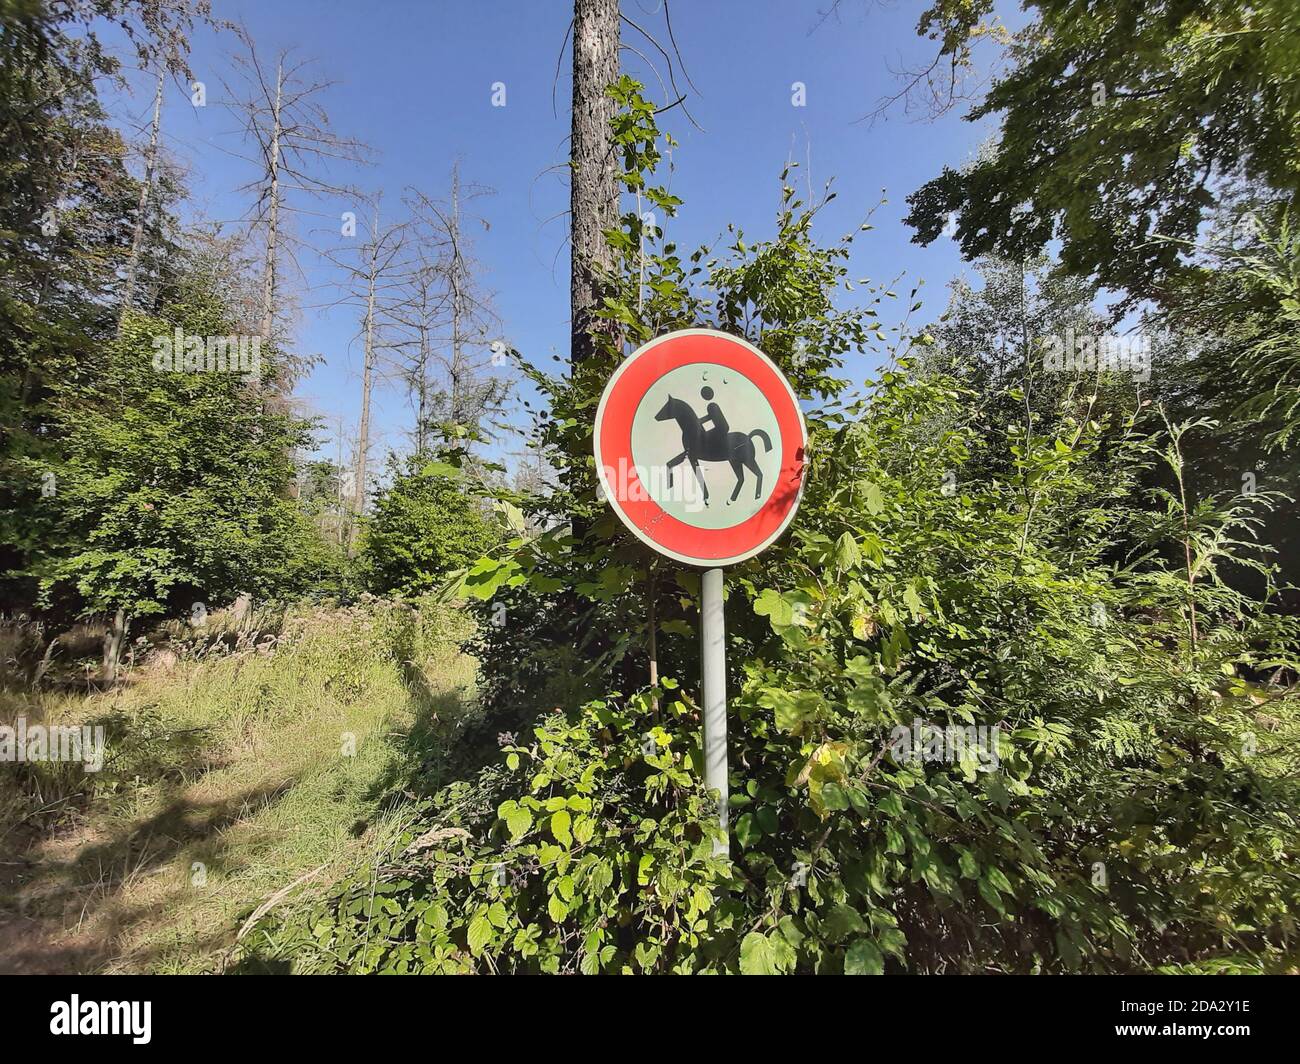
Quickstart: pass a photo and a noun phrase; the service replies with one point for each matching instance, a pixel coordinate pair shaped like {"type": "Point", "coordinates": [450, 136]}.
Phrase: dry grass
{"type": "Point", "coordinates": [227, 779]}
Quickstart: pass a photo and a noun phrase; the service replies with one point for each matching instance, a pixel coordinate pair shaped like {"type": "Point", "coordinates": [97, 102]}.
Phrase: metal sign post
{"type": "Point", "coordinates": [699, 444]}
{"type": "Point", "coordinates": [713, 673]}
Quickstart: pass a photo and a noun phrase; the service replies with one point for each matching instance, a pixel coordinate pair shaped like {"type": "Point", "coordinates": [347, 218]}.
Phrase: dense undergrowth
{"type": "Point", "coordinates": [1130, 803]}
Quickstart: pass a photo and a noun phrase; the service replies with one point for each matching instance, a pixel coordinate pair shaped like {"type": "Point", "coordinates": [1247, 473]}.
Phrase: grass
{"type": "Point", "coordinates": [230, 781]}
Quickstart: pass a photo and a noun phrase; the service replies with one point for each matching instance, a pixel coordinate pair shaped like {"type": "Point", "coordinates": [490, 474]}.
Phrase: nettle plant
{"type": "Point", "coordinates": [1125, 823]}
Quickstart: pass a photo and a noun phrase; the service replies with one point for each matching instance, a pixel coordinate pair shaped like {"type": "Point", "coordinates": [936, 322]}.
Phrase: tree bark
{"type": "Point", "coordinates": [113, 640]}
{"type": "Point", "coordinates": [273, 211]}
{"type": "Point", "coordinates": [457, 296]}
{"type": "Point", "coordinates": [146, 191]}
{"type": "Point", "coordinates": [367, 375]}
{"type": "Point", "coordinates": [422, 393]}
{"type": "Point", "coordinates": [593, 197]}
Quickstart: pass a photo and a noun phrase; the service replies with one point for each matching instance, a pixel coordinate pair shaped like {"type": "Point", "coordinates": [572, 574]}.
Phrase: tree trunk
{"type": "Point", "coordinates": [593, 188]}
{"type": "Point", "coordinates": [146, 190]}
{"type": "Point", "coordinates": [457, 297]}
{"type": "Point", "coordinates": [114, 638]}
{"type": "Point", "coordinates": [422, 394]}
{"type": "Point", "coordinates": [367, 374]}
{"type": "Point", "coordinates": [593, 197]}
{"type": "Point", "coordinates": [273, 212]}
{"type": "Point", "coordinates": [342, 511]}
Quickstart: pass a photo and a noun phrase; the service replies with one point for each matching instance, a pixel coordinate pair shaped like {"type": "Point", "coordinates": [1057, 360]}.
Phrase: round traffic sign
{"type": "Point", "coordinates": [700, 447]}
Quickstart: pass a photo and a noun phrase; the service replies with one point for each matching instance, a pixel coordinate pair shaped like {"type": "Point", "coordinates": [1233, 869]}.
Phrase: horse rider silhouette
{"type": "Point", "coordinates": [717, 444]}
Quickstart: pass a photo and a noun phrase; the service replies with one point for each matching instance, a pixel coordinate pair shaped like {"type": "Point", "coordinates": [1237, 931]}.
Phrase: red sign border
{"type": "Point", "coordinates": [648, 521]}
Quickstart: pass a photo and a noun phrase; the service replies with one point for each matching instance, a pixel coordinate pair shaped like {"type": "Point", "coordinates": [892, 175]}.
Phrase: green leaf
{"type": "Point", "coordinates": [864, 958]}
{"type": "Point", "coordinates": [791, 710]}
{"type": "Point", "coordinates": [842, 921]}
{"type": "Point", "coordinates": [439, 468]}
{"type": "Point", "coordinates": [560, 823]}
{"type": "Point", "coordinates": [514, 516]}
{"type": "Point", "coordinates": [757, 955]}
{"type": "Point", "coordinates": [871, 497]}
{"type": "Point", "coordinates": [518, 821]}
{"type": "Point", "coordinates": [776, 609]}
{"type": "Point", "coordinates": [556, 909]}
{"type": "Point", "coordinates": [479, 934]}
{"type": "Point", "coordinates": [990, 893]}
{"type": "Point", "coordinates": [747, 832]}
{"type": "Point", "coordinates": [847, 555]}
{"type": "Point", "coordinates": [834, 796]}
{"type": "Point", "coordinates": [583, 829]}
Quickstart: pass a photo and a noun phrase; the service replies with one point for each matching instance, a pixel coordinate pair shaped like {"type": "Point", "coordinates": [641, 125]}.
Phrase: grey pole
{"type": "Point", "coordinates": [713, 668]}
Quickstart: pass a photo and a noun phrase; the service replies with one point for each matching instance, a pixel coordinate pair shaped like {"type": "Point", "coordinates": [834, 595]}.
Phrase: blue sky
{"type": "Point", "coordinates": [415, 82]}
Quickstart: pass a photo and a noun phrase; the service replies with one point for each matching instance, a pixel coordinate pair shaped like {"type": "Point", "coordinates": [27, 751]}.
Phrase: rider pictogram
{"type": "Point", "coordinates": [715, 444]}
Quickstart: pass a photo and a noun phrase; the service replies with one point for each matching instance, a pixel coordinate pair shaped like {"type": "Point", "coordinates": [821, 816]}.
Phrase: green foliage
{"type": "Point", "coordinates": [119, 486]}
{"type": "Point", "coordinates": [995, 341]}
{"type": "Point", "coordinates": [600, 844]}
{"type": "Point", "coordinates": [65, 200]}
{"type": "Point", "coordinates": [422, 527]}
{"type": "Point", "coordinates": [1118, 805]}
{"type": "Point", "coordinates": [1117, 120]}
{"type": "Point", "coordinates": [168, 487]}
{"type": "Point", "coordinates": [1257, 294]}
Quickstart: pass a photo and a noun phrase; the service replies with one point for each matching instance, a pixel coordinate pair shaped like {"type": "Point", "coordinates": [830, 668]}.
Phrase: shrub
{"type": "Point", "coordinates": [424, 525]}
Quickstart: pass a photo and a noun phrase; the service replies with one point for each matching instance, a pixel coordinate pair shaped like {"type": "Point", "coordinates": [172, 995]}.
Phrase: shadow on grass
{"type": "Point", "coordinates": [89, 894]}
{"type": "Point", "coordinates": [448, 740]}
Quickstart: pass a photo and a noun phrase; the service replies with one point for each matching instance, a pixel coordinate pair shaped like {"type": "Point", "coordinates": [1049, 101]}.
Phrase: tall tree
{"type": "Point", "coordinates": [170, 484]}
{"type": "Point", "coordinates": [380, 254]}
{"type": "Point", "coordinates": [420, 317]}
{"type": "Point", "coordinates": [593, 194]}
{"type": "Point", "coordinates": [463, 406]}
{"type": "Point", "coordinates": [65, 211]}
{"type": "Point", "coordinates": [141, 211]}
{"type": "Point", "coordinates": [374, 270]}
{"type": "Point", "coordinates": [168, 60]}
{"type": "Point", "coordinates": [295, 148]}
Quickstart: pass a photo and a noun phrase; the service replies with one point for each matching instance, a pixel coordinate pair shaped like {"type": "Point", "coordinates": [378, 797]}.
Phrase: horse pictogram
{"type": "Point", "coordinates": [715, 444]}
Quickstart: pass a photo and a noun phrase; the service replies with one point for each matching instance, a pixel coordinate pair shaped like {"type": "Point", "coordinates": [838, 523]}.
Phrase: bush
{"type": "Point", "coordinates": [424, 525]}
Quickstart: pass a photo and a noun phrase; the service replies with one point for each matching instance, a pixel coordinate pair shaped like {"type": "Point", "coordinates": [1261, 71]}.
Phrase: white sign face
{"type": "Point", "coordinates": [718, 414]}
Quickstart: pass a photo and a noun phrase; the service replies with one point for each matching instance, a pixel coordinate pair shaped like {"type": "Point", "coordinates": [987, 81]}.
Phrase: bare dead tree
{"type": "Point", "coordinates": [142, 207]}
{"type": "Point", "coordinates": [374, 271]}
{"type": "Point", "coordinates": [162, 45]}
{"type": "Point", "coordinates": [294, 149]}
{"type": "Point", "coordinates": [469, 402]}
{"type": "Point", "coordinates": [420, 319]}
